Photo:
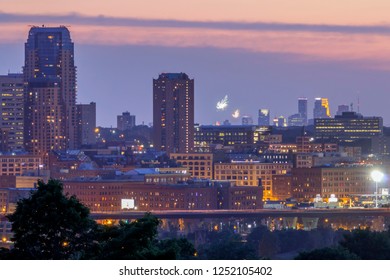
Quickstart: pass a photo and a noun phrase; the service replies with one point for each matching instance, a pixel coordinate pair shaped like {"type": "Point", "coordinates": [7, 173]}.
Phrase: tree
{"type": "Point", "coordinates": [368, 245]}
{"type": "Point", "coordinates": [359, 244]}
{"type": "Point", "coordinates": [226, 245]}
{"type": "Point", "coordinates": [328, 253]}
{"type": "Point", "coordinates": [51, 225]}
{"type": "Point", "coordinates": [269, 245]}
{"type": "Point", "coordinates": [138, 241]}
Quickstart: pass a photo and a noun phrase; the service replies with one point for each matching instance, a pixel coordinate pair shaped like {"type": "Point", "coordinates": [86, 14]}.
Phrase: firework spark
{"type": "Point", "coordinates": [222, 104]}
{"type": "Point", "coordinates": [236, 114]}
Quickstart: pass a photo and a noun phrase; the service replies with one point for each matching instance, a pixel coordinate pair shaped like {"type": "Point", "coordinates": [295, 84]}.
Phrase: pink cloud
{"type": "Point", "coordinates": [371, 49]}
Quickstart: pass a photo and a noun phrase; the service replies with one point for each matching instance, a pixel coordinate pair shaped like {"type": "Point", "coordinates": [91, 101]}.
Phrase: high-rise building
{"type": "Point", "coordinates": [173, 113]}
{"type": "Point", "coordinates": [50, 96]}
{"type": "Point", "coordinates": [280, 121]}
{"type": "Point", "coordinates": [264, 118]}
{"type": "Point", "coordinates": [348, 127]}
{"type": "Point", "coordinates": [87, 123]}
{"type": "Point", "coordinates": [321, 108]}
{"type": "Point", "coordinates": [12, 110]}
{"type": "Point", "coordinates": [125, 121]}
{"type": "Point", "coordinates": [302, 109]}
{"type": "Point", "coordinates": [296, 120]}
{"type": "Point", "coordinates": [247, 120]}
{"type": "Point", "coordinates": [341, 109]}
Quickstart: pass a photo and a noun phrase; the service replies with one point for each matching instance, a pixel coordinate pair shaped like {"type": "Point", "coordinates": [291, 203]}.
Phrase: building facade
{"type": "Point", "coordinates": [18, 165]}
{"type": "Point", "coordinates": [200, 165]}
{"type": "Point", "coordinates": [108, 196]}
{"type": "Point", "coordinates": [348, 127]}
{"type": "Point", "coordinates": [87, 123]}
{"type": "Point", "coordinates": [12, 111]}
{"type": "Point", "coordinates": [251, 174]}
{"type": "Point", "coordinates": [302, 109]}
{"type": "Point", "coordinates": [341, 109]}
{"type": "Point", "coordinates": [227, 135]}
{"type": "Point", "coordinates": [173, 113]}
{"type": "Point", "coordinates": [264, 117]}
{"type": "Point", "coordinates": [246, 120]}
{"type": "Point", "coordinates": [125, 121]}
{"type": "Point", "coordinates": [50, 92]}
{"type": "Point", "coordinates": [321, 108]}
{"type": "Point", "coordinates": [343, 182]}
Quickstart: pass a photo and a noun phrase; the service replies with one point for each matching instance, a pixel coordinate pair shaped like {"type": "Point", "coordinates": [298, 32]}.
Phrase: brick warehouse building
{"type": "Point", "coordinates": [109, 195]}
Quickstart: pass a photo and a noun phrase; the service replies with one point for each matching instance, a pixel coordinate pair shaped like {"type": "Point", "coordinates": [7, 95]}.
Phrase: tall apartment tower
{"type": "Point", "coordinates": [50, 91]}
{"type": "Point", "coordinates": [173, 113]}
{"type": "Point", "coordinates": [86, 118]}
{"type": "Point", "coordinates": [12, 111]}
{"type": "Point", "coordinates": [302, 109]}
{"type": "Point", "coordinates": [321, 108]}
{"type": "Point", "coordinates": [264, 117]}
{"type": "Point", "coordinates": [125, 121]}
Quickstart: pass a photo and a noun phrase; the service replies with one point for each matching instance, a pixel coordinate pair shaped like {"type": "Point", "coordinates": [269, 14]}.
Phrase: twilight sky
{"type": "Point", "coordinates": [261, 53]}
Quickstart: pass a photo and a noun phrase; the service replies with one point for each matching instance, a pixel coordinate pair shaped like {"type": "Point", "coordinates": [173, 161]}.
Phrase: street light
{"type": "Point", "coordinates": [377, 176]}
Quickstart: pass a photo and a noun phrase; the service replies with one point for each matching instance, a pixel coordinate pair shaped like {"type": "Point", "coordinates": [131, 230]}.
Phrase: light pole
{"type": "Point", "coordinates": [377, 176]}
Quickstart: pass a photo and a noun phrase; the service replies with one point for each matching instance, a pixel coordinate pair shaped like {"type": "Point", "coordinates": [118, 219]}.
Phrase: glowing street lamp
{"type": "Point", "coordinates": [377, 176]}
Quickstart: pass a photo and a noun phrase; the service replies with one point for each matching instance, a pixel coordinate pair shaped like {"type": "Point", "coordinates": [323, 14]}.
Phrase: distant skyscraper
{"type": "Point", "coordinates": [12, 111]}
{"type": "Point", "coordinates": [87, 123]}
{"type": "Point", "coordinates": [264, 118]}
{"type": "Point", "coordinates": [125, 121]}
{"type": "Point", "coordinates": [173, 113]}
{"type": "Point", "coordinates": [247, 120]}
{"type": "Point", "coordinates": [341, 109]}
{"type": "Point", "coordinates": [296, 120]}
{"type": "Point", "coordinates": [321, 108]}
{"type": "Point", "coordinates": [302, 109]}
{"type": "Point", "coordinates": [280, 121]}
{"type": "Point", "coordinates": [50, 97]}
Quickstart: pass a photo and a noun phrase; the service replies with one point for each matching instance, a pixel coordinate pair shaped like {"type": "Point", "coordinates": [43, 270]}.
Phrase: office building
{"type": "Point", "coordinates": [246, 173]}
{"type": "Point", "coordinates": [296, 120]}
{"type": "Point", "coordinates": [125, 121]}
{"type": "Point", "coordinates": [321, 108]}
{"type": "Point", "coordinates": [173, 113]}
{"type": "Point", "coordinates": [18, 165]}
{"type": "Point", "coordinates": [341, 109]}
{"type": "Point", "coordinates": [200, 165]}
{"type": "Point", "coordinates": [341, 181]}
{"type": "Point", "coordinates": [302, 109]}
{"type": "Point", "coordinates": [247, 120]}
{"type": "Point", "coordinates": [280, 121]}
{"type": "Point", "coordinates": [264, 117]}
{"type": "Point", "coordinates": [50, 92]}
{"type": "Point", "coordinates": [228, 135]}
{"type": "Point", "coordinates": [87, 123]}
{"type": "Point", "coordinates": [12, 111]}
{"type": "Point", "coordinates": [348, 127]}
{"type": "Point", "coordinates": [113, 195]}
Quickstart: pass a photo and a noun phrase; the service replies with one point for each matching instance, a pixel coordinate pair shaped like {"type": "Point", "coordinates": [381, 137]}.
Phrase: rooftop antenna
{"type": "Point", "coordinates": [351, 106]}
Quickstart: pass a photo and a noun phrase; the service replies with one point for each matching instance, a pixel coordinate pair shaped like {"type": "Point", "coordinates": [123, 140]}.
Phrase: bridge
{"type": "Point", "coordinates": [257, 214]}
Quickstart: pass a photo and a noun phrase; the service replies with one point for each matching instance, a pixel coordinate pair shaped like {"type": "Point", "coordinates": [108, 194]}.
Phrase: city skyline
{"type": "Point", "coordinates": [284, 53]}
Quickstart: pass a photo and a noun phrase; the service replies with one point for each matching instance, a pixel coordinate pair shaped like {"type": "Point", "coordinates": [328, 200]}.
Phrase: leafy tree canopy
{"type": "Point", "coordinates": [51, 225]}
